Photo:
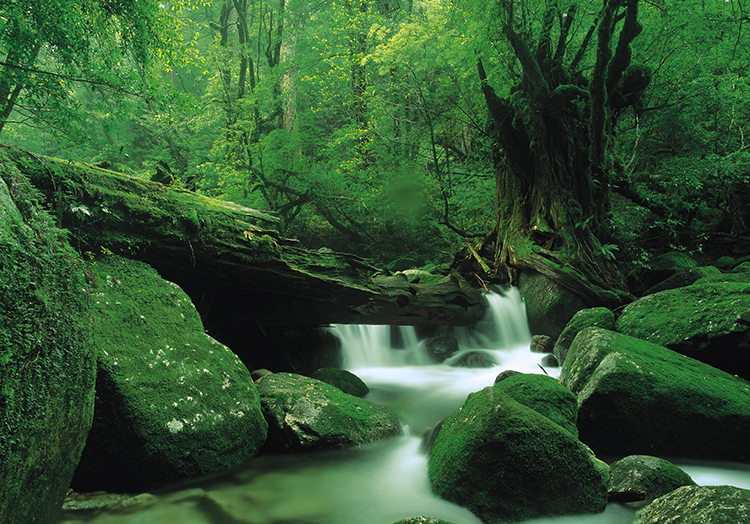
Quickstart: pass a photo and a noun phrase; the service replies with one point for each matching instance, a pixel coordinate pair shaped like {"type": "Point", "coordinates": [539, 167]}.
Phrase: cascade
{"type": "Point", "coordinates": [387, 481]}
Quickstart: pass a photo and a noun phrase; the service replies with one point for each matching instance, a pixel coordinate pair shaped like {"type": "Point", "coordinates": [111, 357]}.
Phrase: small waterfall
{"type": "Point", "coordinates": [503, 327]}
{"type": "Point", "coordinates": [386, 481]}
{"type": "Point", "coordinates": [504, 324]}
{"type": "Point", "coordinates": [394, 363]}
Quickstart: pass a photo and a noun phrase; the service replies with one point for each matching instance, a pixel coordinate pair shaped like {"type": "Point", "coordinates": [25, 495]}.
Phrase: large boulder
{"type": "Point", "coordinates": [549, 306]}
{"type": "Point", "coordinates": [667, 264]}
{"type": "Point", "coordinates": [643, 478]}
{"type": "Point", "coordinates": [635, 397]}
{"type": "Point", "coordinates": [304, 413]}
{"type": "Point", "coordinates": [685, 277]}
{"type": "Point", "coordinates": [47, 363]}
{"type": "Point", "coordinates": [505, 462]}
{"type": "Point", "coordinates": [172, 403]}
{"type": "Point", "coordinates": [709, 322]}
{"type": "Point", "coordinates": [595, 316]}
{"type": "Point", "coordinates": [545, 395]}
{"type": "Point", "coordinates": [699, 505]}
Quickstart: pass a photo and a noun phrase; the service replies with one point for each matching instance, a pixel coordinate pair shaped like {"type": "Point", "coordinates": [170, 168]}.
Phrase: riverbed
{"type": "Point", "coordinates": [384, 482]}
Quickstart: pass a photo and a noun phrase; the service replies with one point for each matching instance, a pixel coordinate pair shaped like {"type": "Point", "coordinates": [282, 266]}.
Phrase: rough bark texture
{"type": "Point", "coordinates": [228, 258]}
{"type": "Point", "coordinates": [552, 135]}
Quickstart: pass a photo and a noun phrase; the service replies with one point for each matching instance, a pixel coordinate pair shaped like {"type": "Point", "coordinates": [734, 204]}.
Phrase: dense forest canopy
{"type": "Point", "coordinates": [529, 132]}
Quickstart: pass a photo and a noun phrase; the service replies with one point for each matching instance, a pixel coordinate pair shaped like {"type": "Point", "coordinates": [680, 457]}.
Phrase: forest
{"type": "Point", "coordinates": [528, 133]}
{"type": "Point", "coordinates": [276, 261]}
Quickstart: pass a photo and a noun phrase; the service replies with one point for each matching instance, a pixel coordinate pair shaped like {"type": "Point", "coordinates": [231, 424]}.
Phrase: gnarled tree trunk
{"type": "Point", "coordinates": [552, 135]}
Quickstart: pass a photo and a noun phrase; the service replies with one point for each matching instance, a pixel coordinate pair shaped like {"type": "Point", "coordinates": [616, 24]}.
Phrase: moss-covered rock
{"type": "Point", "coordinates": [549, 306]}
{"type": "Point", "coordinates": [345, 380]}
{"type": "Point", "coordinates": [506, 462]}
{"type": "Point", "coordinates": [666, 265]}
{"type": "Point", "coordinates": [304, 413]}
{"type": "Point", "coordinates": [596, 316]}
{"type": "Point", "coordinates": [684, 277]}
{"type": "Point", "coordinates": [172, 403]}
{"type": "Point", "coordinates": [545, 395]}
{"type": "Point", "coordinates": [47, 363]}
{"type": "Point", "coordinates": [699, 505]}
{"type": "Point", "coordinates": [709, 322]}
{"type": "Point", "coordinates": [635, 397]}
{"type": "Point", "coordinates": [644, 478]}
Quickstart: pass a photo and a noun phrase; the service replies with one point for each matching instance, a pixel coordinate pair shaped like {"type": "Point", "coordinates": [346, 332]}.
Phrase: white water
{"type": "Point", "coordinates": [385, 482]}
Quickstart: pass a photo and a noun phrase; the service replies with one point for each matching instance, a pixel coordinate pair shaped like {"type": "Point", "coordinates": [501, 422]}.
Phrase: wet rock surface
{"type": "Point", "coordinates": [643, 478]}
{"type": "Point", "coordinates": [345, 380]}
{"type": "Point", "coordinates": [441, 347]}
{"type": "Point", "coordinates": [172, 403]}
{"type": "Point", "coordinates": [304, 413]}
{"type": "Point", "coordinates": [505, 462]}
{"type": "Point", "coordinates": [635, 397]}
{"type": "Point", "coordinates": [699, 505]}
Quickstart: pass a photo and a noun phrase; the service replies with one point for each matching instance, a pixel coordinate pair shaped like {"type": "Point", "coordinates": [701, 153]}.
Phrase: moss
{"type": "Point", "coordinates": [645, 478]}
{"type": "Point", "coordinates": [707, 321]}
{"type": "Point", "coordinates": [545, 395]}
{"type": "Point", "coordinates": [636, 397]}
{"type": "Point", "coordinates": [699, 505]}
{"type": "Point", "coordinates": [172, 404]}
{"type": "Point", "coordinates": [101, 207]}
{"type": "Point", "coordinates": [304, 413]}
{"type": "Point", "coordinates": [46, 359]}
{"type": "Point", "coordinates": [598, 316]}
{"type": "Point", "coordinates": [505, 462]}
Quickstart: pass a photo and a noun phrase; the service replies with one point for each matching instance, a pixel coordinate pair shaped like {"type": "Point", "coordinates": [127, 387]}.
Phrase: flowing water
{"type": "Point", "coordinates": [384, 482]}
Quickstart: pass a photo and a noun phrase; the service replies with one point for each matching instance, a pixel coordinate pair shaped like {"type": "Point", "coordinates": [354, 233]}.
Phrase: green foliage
{"type": "Point", "coordinates": [363, 126]}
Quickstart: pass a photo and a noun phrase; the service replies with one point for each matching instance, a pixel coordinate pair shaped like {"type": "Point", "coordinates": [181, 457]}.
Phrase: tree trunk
{"type": "Point", "coordinates": [552, 160]}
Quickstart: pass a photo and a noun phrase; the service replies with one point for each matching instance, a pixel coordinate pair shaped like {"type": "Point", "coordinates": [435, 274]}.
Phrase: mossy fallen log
{"type": "Point", "coordinates": [229, 257]}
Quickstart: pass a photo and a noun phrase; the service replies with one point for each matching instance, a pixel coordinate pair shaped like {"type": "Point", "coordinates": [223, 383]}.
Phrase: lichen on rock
{"type": "Point", "coordinates": [172, 403]}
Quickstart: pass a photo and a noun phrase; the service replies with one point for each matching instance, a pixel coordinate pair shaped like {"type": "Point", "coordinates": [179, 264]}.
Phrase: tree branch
{"type": "Point", "coordinates": [77, 79]}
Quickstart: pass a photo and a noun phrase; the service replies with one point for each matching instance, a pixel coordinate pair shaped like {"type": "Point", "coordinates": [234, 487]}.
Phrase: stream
{"type": "Point", "coordinates": [387, 481]}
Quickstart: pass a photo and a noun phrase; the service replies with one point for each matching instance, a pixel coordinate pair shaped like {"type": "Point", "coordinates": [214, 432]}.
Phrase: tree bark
{"type": "Point", "coordinates": [552, 160]}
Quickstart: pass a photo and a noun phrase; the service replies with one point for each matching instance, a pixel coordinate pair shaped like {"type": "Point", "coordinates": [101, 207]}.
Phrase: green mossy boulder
{"type": "Point", "coordinates": [506, 462]}
{"type": "Point", "coordinates": [596, 316]}
{"type": "Point", "coordinates": [304, 414]}
{"type": "Point", "coordinates": [172, 404]}
{"type": "Point", "coordinates": [635, 397]}
{"type": "Point", "coordinates": [345, 380]}
{"type": "Point", "coordinates": [546, 395]}
{"type": "Point", "coordinates": [47, 363]}
{"type": "Point", "coordinates": [699, 505]}
{"type": "Point", "coordinates": [725, 277]}
{"type": "Point", "coordinates": [643, 478]}
{"type": "Point", "coordinates": [684, 277]}
{"type": "Point", "coordinates": [549, 306]}
{"type": "Point", "coordinates": [709, 322]}
{"type": "Point", "coordinates": [666, 265]}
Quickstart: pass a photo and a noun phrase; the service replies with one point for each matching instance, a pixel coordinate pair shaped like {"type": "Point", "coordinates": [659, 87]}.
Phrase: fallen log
{"type": "Point", "coordinates": [228, 257]}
